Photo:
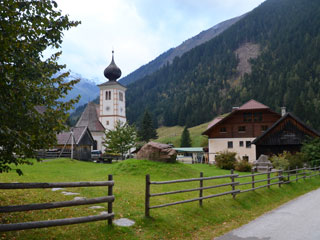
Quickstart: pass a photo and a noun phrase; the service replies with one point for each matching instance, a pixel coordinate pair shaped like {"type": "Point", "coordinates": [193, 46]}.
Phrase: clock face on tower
{"type": "Point", "coordinates": [107, 108]}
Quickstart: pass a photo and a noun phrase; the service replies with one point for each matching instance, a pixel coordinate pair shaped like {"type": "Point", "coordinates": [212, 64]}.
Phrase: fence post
{"type": "Point", "coordinates": [147, 203]}
{"type": "Point", "coordinates": [296, 173]}
{"type": "Point", "coordinates": [289, 176]}
{"type": "Point", "coordinates": [233, 186]}
{"type": "Point", "coordinates": [268, 175]}
{"type": "Point", "coordinates": [201, 190]}
{"type": "Point", "coordinates": [110, 192]}
{"type": "Point", "coordinates": [304, 173]}
{"type": "Point", "coordinates": [280, 178]}
{"type": "Point", "coordinates": [252, 177]}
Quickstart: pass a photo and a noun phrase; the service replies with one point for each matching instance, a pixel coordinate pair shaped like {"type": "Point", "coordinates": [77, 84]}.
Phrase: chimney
{"type": "Point", "coordinates": [283, 111]}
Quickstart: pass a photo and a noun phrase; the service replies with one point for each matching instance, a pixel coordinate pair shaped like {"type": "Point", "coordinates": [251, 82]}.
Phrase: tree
{"type": "Point", "coordinates": [147, 130]}
{"type": "Point", "coordinates": [121, 139]}
{"type": "Point", "coordinates": [30, 86]}
{"type": "Point", "coordinates": [185, 138]}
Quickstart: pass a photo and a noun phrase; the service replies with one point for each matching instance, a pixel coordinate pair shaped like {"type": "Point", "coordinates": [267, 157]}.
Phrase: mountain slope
{"type": "Point", "coordinates": [207, 81]}
{"type": "Point", "coordinates": [88, 90]}
{"type": "Point", "coordinates": [168, 56]}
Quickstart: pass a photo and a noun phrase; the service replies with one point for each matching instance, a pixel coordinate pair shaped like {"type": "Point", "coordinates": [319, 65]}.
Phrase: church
{"type": "Point", "coordinates": [102, 117]}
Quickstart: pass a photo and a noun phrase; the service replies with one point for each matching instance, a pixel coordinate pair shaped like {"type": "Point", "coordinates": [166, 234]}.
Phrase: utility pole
{"type": "Point", "coordinates": [71, 143]}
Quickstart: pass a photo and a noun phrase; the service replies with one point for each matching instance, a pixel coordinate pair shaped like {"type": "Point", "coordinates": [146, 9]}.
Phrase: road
{"type": "Point", "coordinates": [298, 219]}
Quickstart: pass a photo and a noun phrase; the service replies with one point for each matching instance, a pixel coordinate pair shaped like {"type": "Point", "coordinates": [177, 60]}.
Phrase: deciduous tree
{"type": "Point", "coordinates": [121, 139]}
{"type": "Point", "coordinates": [30, 87]}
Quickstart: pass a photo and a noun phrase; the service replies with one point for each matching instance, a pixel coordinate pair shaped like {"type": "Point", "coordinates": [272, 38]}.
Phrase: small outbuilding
{"type": "Point", "coordinates": [80, 139]}
{"type": "Point", "coordinates": [191, 155]}
{"type": "Point", "coordinates": [286, 134]}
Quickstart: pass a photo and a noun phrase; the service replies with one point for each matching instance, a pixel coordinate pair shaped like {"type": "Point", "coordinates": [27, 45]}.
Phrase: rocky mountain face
{"type": "Point", "coordinates": [168, 56]}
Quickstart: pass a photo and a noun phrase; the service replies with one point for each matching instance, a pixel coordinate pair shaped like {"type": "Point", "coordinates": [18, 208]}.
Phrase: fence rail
{"type": "Point", "coordinates": [58, 222]}
{"type": "Point", "coordinates": [279, 177]}
{"type": "Point", "coordinates": [148, 194]}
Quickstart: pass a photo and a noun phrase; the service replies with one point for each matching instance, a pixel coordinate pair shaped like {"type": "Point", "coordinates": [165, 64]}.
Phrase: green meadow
{"type": "Point", "coordinates": [185, 221]}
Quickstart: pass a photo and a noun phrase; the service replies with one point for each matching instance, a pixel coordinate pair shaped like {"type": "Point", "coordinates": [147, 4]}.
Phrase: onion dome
{"type": "Point", "coordinates": [112, 72]}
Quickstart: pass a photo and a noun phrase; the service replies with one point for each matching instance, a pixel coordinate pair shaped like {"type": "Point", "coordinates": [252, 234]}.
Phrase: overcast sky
{"type": "Point", "coordinates": [138, 30]}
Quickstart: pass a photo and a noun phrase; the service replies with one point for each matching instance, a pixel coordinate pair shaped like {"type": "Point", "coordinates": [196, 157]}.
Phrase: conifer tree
{"type": "Point", "coordinates": [146, 129]}
{"type": "Point", "coordinates": [185, 138]}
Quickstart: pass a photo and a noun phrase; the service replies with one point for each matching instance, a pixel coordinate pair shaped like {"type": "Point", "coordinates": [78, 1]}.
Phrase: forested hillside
{"type": "Point", "coordinates": [207, 81]}
{"type": "Point", "coordinates": [168, 56]}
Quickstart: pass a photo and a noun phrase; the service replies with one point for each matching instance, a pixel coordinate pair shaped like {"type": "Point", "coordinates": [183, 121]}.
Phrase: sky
{"type": "Point", "coordinates": [137, 30]}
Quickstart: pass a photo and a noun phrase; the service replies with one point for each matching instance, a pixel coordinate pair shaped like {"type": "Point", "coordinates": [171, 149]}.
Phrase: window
{"type": "Point", "coordinates": [121, 96]}
{"type": "Point", "coordinates": [241, 128]}
{"type": "Point", "coordinates": [108, 95]}
{"type": "Point", "coordinates": [257, 117]}
{"type": "Point", "coordinates": [230, 144]}
{"type": "Point", "coordinates": [241, 144]}
{"type": "Point", "coordinates": [107, 122]}
{"type": "Point", "coordinates": [264, 128]}
{"type": "Point", "coordinates": [95, 145]}
{"type": "Point", "coordinates": [223, 130]}
{"type": "Point", "coordinates": [245, 158]}
{"type": "Point", "coordinates": [248, 144]}
{"type": "Point", "coordinates": [247, 117]}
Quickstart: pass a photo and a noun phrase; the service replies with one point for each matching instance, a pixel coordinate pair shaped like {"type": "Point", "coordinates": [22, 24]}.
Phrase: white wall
{"type": "Point", "coordinates": [217, 145]}
{"type": "Point", "coordinates": [98, 136]}
{"type": "Point", "coordinates": [112, 110]}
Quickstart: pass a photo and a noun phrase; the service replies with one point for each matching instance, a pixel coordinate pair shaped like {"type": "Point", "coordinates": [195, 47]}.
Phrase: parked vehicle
{"type": "Point", "coordinates": [96, 155]}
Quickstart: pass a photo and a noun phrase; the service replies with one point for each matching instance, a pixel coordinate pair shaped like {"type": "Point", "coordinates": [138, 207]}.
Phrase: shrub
{"type": "Point", "coordinates": [286, 160]}
{"type": "Point", "coordinates": [279, 161]}
{"type": "Point", "coordinates": [226, 160]}
{"type": "Point", "coordinates": [311, 149]}
{"type": "Point", "coordinates": [243, 166]}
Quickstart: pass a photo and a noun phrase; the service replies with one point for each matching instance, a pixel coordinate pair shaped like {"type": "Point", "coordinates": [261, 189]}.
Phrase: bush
{"type": "Point", "coordinates": [280, 162]}
{"type": "Point", "coordinates": [243, 166]}
{"type": "Point", "coordinates": [286, 160]}
{"type": "Point", "coordinates": [311, 149]}
{"type": "Point", "coordinates": [226, 160]}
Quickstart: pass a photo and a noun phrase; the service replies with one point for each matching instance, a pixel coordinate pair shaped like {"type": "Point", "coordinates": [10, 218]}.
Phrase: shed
{"type": "Point", "coordinates": [82, 142]}
{"type": "Point", "coordinates": [191, 154]}
{"type": "Point", "coordinates": [286, 134]}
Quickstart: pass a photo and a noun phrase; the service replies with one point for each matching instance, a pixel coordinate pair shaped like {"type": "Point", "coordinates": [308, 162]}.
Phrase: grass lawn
{"type": "Point", "coordinates": [173, 135]}
{"type": "Point", "coordinates": [185, 221]}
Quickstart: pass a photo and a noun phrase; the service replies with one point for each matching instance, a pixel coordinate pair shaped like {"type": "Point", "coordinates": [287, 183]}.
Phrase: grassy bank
{"type": "Point", "coordinates": [186, 221]}
{"type": "Point", "coordinates": [173, 135]}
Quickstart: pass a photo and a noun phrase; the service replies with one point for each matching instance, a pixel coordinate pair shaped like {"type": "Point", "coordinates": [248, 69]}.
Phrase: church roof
{"type": "Point", "coordinates": [90, 118]}
{"type": "Point", "coordinates": [111, 83]}
{"type": "Point", "coordinates": [253, 104]}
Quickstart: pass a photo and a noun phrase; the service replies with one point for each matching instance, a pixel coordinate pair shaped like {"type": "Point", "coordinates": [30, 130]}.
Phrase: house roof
{"type": "Point", "coordinates": [281, 120]}
{"type": "Point", "coordinates": [253, 104]}
{"type": "Point", "coordinates": [78, 133]}
{"type": "Point", "coordinates": [250, 105]}
{"type": "Point", "coordinates": [90, 118]}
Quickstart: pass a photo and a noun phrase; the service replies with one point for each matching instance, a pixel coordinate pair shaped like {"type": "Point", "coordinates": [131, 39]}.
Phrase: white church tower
{"type": "Point", "coordinates": [112, 98]}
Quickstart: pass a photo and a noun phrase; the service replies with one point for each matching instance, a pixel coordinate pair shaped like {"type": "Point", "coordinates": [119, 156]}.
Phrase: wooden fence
{"type": "Point", "coordinates": [58, 222]}
{"type": "Point", "coordinates": [200, 189]}
{"type": "Point", "coordinates": [280, 177]}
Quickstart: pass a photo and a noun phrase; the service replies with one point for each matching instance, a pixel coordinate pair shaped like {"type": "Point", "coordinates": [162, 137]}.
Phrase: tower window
{"type": "Point", "coordinates": [108, 95]}
{"type": "Point", "coordinates": [107, 122]}
{"type": "Point", "coordinates": [121, 96]}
